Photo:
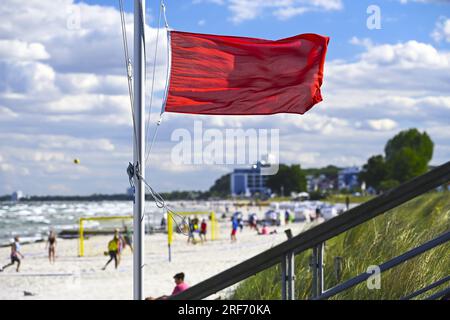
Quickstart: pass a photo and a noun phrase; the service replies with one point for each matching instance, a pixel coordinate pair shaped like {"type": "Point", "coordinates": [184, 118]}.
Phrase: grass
{"type": "Point", "coordinates": [340, 198]}
{"type": "Point", "coordinates": [371, 243]}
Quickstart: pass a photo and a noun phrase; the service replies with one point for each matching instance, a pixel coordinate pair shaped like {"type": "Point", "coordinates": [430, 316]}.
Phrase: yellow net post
{"type": "Point", "coordinates": [170, 234]}
{"type": "Point", "coordinates": [213, 226]}
{"type": "Point", "coordinates": [81, 238]}
{"type": "Point", "coordinates": [81, 228]}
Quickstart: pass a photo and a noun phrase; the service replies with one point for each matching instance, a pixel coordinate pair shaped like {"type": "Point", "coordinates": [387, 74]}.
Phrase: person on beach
{"type": "Point", "coordinates": [128, 238]}
{"type": "Point", "coordinates": [265, 231]}
{"type": "Point", "coordinates": [241, 224]}
{"type": "Point", "coordinates": [203, 228]}
{"type": "Point", "coordinates": [113, 251]}
{"type": "Point", "coordinates": [180, 286]}
{"type": "Point", "coordinates": [195, 223]}
{"type": "Point", "coordinates": [191, 231]}
{"type": "Point", "coordinates": [287, 217]}
{"type": "Point", "coordinates": [317, 215]}
{"type": "Point", "coordinates": [121, 245]}
{"type": "Point", "coordinates": [234, 227]}
{"type": "Point", "coordinates": [163, 222]}
{"type": "Point", "coordinates": [253, 221]}
{"type": "Point", "coordinates": [16, 255]}
{"type": "Point", "coordinates": [51, 245]}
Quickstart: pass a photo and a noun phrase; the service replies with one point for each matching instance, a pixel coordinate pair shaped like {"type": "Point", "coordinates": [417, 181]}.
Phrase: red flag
{"type": "Point", "coordinates": [225, 75]}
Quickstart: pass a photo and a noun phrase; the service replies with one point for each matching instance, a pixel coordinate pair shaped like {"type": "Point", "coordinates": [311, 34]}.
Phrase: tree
{"type": "Point", "coordinates": [408, 155]}
{"type": "Point", "coordinates": [221, 187]}
{"type": "Point", "coordinates": [329, 171]}
{"type": "Point", "coordinates": [374, 172]}
{"type": "Point", "coordinates": [289, 178]}
{"type": "Point", "coordinates": [405, 165]}
{"type": "Point", "coordinates": [419, 143]}
{"type": "Point", "coordinates": [388, 184]}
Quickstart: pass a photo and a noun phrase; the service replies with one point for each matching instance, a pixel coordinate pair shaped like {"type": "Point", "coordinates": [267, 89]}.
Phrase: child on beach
{"type": "Point", "coordinates": [15, 255]}
{"type": "Point", "coordinates": [113, 251]}
{"type": "Point", "coordinates": [265, 231]}
{"type": "Point", "coordinates": [51, 244]}
{"type": "Point", "coordinates": [203, 228]}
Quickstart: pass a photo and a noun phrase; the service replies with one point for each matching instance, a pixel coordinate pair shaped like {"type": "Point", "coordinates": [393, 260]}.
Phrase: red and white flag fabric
{"type": "Point", "coordinates": [224, 75]}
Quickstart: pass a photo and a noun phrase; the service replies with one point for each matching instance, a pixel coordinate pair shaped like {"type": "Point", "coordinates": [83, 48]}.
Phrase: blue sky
{"type": "Point", "coordinates": [63, 93]}
{"type": "Point", "coordinates": [400, 21]}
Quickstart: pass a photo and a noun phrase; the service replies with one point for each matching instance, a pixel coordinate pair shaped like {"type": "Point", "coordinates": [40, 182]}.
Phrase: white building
{"type": "Point", "coordinates": [16, 195]}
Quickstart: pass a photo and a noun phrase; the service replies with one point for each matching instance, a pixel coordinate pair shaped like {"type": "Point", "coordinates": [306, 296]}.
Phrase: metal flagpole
{"type": "Point", "coordinates": [139, 148]}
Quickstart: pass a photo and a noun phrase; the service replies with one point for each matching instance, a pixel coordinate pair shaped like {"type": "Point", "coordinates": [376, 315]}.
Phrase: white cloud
{"type": "Point", "coordinates": [442, 30]}
{"type": "Point", "coordinates": [242, 10]}
{"type": "Point", "coordinates": [21, 50]}
{"type": "Point", "coordinates": [27, 77]}
{"type": "Point", "coordinates": [5, 167]}
{"type": "Point", "coordinates": [365, 42]}
{"type": "Point", "coordinates": [382, 124]}
{"type": "Point", "coordinates": [411, 54]}
{"type": "Point", "coordinates": [286, 13]}
{"type": "Point", "coordinates": [7, 114]}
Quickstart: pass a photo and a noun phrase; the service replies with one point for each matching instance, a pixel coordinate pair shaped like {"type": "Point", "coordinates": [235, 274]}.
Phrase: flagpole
{"type": "Point", "coordinates": [139, 149]}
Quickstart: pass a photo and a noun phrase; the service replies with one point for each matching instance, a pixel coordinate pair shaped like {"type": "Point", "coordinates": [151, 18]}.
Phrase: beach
{"type": "Point", "coordinates": [79, 278]}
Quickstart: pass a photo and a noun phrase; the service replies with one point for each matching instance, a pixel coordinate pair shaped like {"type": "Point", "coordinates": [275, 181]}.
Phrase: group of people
{"type": "Point", "coordinates": [196, 227]}
{"type": "Point", "coordinates": [116, 246]}
{"type": "Point", "coordinates": [16, 255]}
{"type": "Point", "coordinates": [238, 223]}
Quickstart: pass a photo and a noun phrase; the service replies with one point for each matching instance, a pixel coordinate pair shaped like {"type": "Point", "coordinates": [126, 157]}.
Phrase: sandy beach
{"type": "Point", "coordinates": [74, 277]}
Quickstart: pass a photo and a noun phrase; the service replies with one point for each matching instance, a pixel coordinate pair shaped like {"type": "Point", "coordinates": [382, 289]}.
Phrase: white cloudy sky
{"type": "Point", "coordinates": [63, 92]}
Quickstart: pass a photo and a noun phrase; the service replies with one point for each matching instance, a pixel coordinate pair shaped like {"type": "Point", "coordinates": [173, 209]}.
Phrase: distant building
{"type": "Point", "coordinates": [249, 181]}
{"type": "Point", "coordinates": [348, 178]}
{"type": "Point", "coordinates": [320, 183]}
{"type": "Point", "coordinates": [16, 196]}
{"type": "Point", "coordinates": [130, 191]}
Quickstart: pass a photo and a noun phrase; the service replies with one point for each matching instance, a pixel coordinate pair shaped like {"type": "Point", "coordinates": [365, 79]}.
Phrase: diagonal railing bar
{"type": "Point", "coordinates": [427, 288]}
{"type": "Point", "coordinates": [440, 294]}
{"type": "Point", "coordinates": [387, 265]}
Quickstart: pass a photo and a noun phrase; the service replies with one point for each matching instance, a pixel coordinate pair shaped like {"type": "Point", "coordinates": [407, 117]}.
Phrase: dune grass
{"type": "Point", "coordinates": [372, 243]}
{"type": "Point", "coordinates": [340, 198]}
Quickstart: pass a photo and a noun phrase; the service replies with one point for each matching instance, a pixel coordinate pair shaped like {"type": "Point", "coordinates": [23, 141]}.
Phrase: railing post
{"type": "Point", "coordinates": [317, 271]}
{"type": "Point", "coordinates": [288, 272]}
{"type": "Point", "coordinates": [284, 278]}
{"type": "Point", "coordinates": [313, 265]}
{"type": "Point", "coordinates": [290, 276]}
{"type": "Point", "coordinates": [320, 276]}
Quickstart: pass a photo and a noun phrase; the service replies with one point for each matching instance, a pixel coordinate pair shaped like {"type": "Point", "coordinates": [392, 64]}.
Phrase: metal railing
{"type": "Point", "coordinates": [315, 239]}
